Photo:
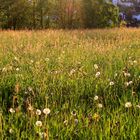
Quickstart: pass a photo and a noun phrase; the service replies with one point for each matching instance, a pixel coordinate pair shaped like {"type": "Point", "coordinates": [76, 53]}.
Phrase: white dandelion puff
{"type": "Point", "coordinates": [97, 74]}
{"type": "Point", "coordinates": [96, 66]}
{"type": "Point", "coordinates": [100, 106]}
{"type": "Point", "coordinates": [128, 105]}
{"type": "Point", "coordinates": [111, 83]}
{"type": "Point", "coordinates": [46, 111]}
{"type": "Point", "coordinates": [96, 98]}
{"type": "Point", "coordinates": [38, 123]}
{"type": "Point", "coordinates": [11, 110]}
{"type": "Point", "coordinates": [38, 112]}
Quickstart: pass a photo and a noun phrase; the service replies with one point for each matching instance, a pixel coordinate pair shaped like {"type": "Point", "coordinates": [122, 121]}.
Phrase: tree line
{"type": "Point", "coordinates": [71, 14]}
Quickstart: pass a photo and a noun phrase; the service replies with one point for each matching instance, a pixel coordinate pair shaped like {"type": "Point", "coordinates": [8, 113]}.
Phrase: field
{"type": "Point", "coordinates": [70, 85]}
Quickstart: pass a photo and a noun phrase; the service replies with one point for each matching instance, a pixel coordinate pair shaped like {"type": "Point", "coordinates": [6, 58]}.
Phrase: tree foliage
{"type": "Point", "coordinates": [40, 14]}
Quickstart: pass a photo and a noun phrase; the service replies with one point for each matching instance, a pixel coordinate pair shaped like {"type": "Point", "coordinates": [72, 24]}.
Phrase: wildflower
{"type": "Point", "coordinates": [135, 62]}
{"type": "Point", "coordinates": [116, 74]}
{"type": "Point", "coordinates": [11, 131]}
{"type": "Point", "coordinates": [100, 106]}
{"type": "Point", "coordinates": [76, 121]}
{"type": "Point", "coordinates": [73, 113]}
{"type": "Point", "coordinates": [65, 122]}
{"type": "Point", "coordinates": [96, 98]}
{"type": "Point", "coordinates": [30, 89]}
{"type": "Point", "coordinates": [96, 117]}
{"type": "Point", "coordinates": [96, 66]}
{"type": "Point", "coordinates": [11, 110]}
{"type": "Point", "coordinates": [128, 104]}
{"type": "Point", "coordinates": [111, 83]}
{"type": "Point", "coordinates": [42, 134]}
{"type": "Point", "coordinates": [130, 82]}
{"type": "Point", "coordinates": [46, 111]}
{"type": "Point", "coordinates": [72, 71]}
{"type": "Point", "coordinates": [38, 123]}
{"type": "Point", "coordinates": [47, 59]}
{"type": "Point", "coordinates": [97, 74]}
{"type": "Point", "coordinates": [17, 69]}
{"type": "Point", "coordinates": [126, 74]}
{"type": "Point", "coordinates": [133, 93]}
{"type": "Point", "coordinates": [126, 84]}
{"type": "Point", "coordinates": [4, 69]}
{"type": "Point", "coordinates": [30, 108]}
{"type": "Point", "coordinates": [38, 112]}
{"type": "Point", "coordinates": [32, 61]}
{"type": "Point", "coordinates": [16, 58]}
{"type": "Point", "coordinates": [63, 52]}
{"type": "Point", "coordinates": [138, 106]}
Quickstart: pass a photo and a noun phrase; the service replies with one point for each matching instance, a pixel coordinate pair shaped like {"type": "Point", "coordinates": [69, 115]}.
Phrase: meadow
{"type": "Point", "coordinates": [70, 84]}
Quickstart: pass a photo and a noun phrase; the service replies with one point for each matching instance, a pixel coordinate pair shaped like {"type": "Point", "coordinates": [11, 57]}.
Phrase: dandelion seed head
{"type": "Point", "coordinates": [96, 66]}
{"type": "Point", "coordinates": [42, 135]}
{"type": "Point", "coordinates": [73, 113]}
{"type": "Point", "coordinates": [100, 106]}
{"type": "Point", "coordinates": [46, 111]}
{"type": "Point", "coordinates": [38, 112]}
{"type": "Point", "coordinates": [11, 110]}
{"type": "Point", "coordinates": [76, 121]}
{"type": "Point", "coordinates": [128, 105]}
{"type": "Point", "coordinates": [111, 83]}
{"type": "Point", "coordinates": [96, 98]}
{"type": "Point", "coordinates": [138, 106]}
{"type": "Point", "coordinates": [38, 123]}
{"type": "Point", "coordinates": [11, 131]}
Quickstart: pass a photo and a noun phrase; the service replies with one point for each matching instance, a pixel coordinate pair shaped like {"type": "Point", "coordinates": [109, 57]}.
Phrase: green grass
{"type": "Point", "coordinates": [55, 69]}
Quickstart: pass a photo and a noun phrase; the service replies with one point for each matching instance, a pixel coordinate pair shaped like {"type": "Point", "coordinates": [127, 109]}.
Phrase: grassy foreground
{"type": "Point", "coordinates": [87, 81]}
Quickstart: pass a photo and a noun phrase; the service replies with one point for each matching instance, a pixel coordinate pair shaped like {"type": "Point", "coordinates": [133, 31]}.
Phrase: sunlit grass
{"type": "Point", "coordinates": [80, 84]}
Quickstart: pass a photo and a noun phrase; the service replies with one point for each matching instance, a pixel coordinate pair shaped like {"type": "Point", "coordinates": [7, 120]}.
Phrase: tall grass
{"type": "Point", "coordinates": [88, 79]}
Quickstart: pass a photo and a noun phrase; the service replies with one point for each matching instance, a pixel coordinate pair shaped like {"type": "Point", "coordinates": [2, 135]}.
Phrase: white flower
{"type": "Point", "coordinates": [97, 74]}
{"type": "Point", "coordinates": [30, 89]}
{"type": "Point", "coordinates": [96, 66]}
{"type": "Point", "coordinates": [96, 98]}
{"type": "Point", "coordinates": [76, 121]}
{"type": "Point", "coordinates": [38, 112]}
{"type": "Point", "coordinates": [38, 123]}
{"type": "Point", "coordinates": [135, 61]}
{"type": "Point", "coordinates": [73, 113]}
{"type": "Point", "coordinates": [138, 106]}
{"type": "Point", "coordinates": [30, 108]}
{"type": "Point", "coordinates": [11, 110]}
{"type": "Point", "coordinates": [72, 71]}
{"type": "Point", "coordinates": [128, 104]}
{"type": "Point", "coordinates": [100, 106]}
{"type": "Point", "coordinates": [65, 122]}
{"type": "Point", "coordinates": [130, 82]}
{"type": "Point", "coordinates": [11, 131]}
{"type": "Point", "coordinates": [4, 69]}
{"type": "Point", "coordinates": [126, 83]}
{"type": "Point", "coordinates": [47, 59]}
{"type": "Point", "coordinates": [126, 74]}
{"type": "Point", "coordinates": [32, 61]}
{"type": "Point", "coordinates": [46, 111]}
{"type": "Point", "coordinates": [17, 69]}
{"type": "Point", "coordinates": [42, 134]}
{"type": "Point", "coordinates": [111, 83]}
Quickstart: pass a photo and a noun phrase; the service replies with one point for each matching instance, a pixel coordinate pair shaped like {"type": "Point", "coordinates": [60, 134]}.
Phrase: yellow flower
{"type": "Point", "coordinates": [96, 117]}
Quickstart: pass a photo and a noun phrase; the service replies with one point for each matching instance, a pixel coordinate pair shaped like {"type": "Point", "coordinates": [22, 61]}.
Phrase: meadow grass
{"type": "Point", "coordinates": [88, 81]}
